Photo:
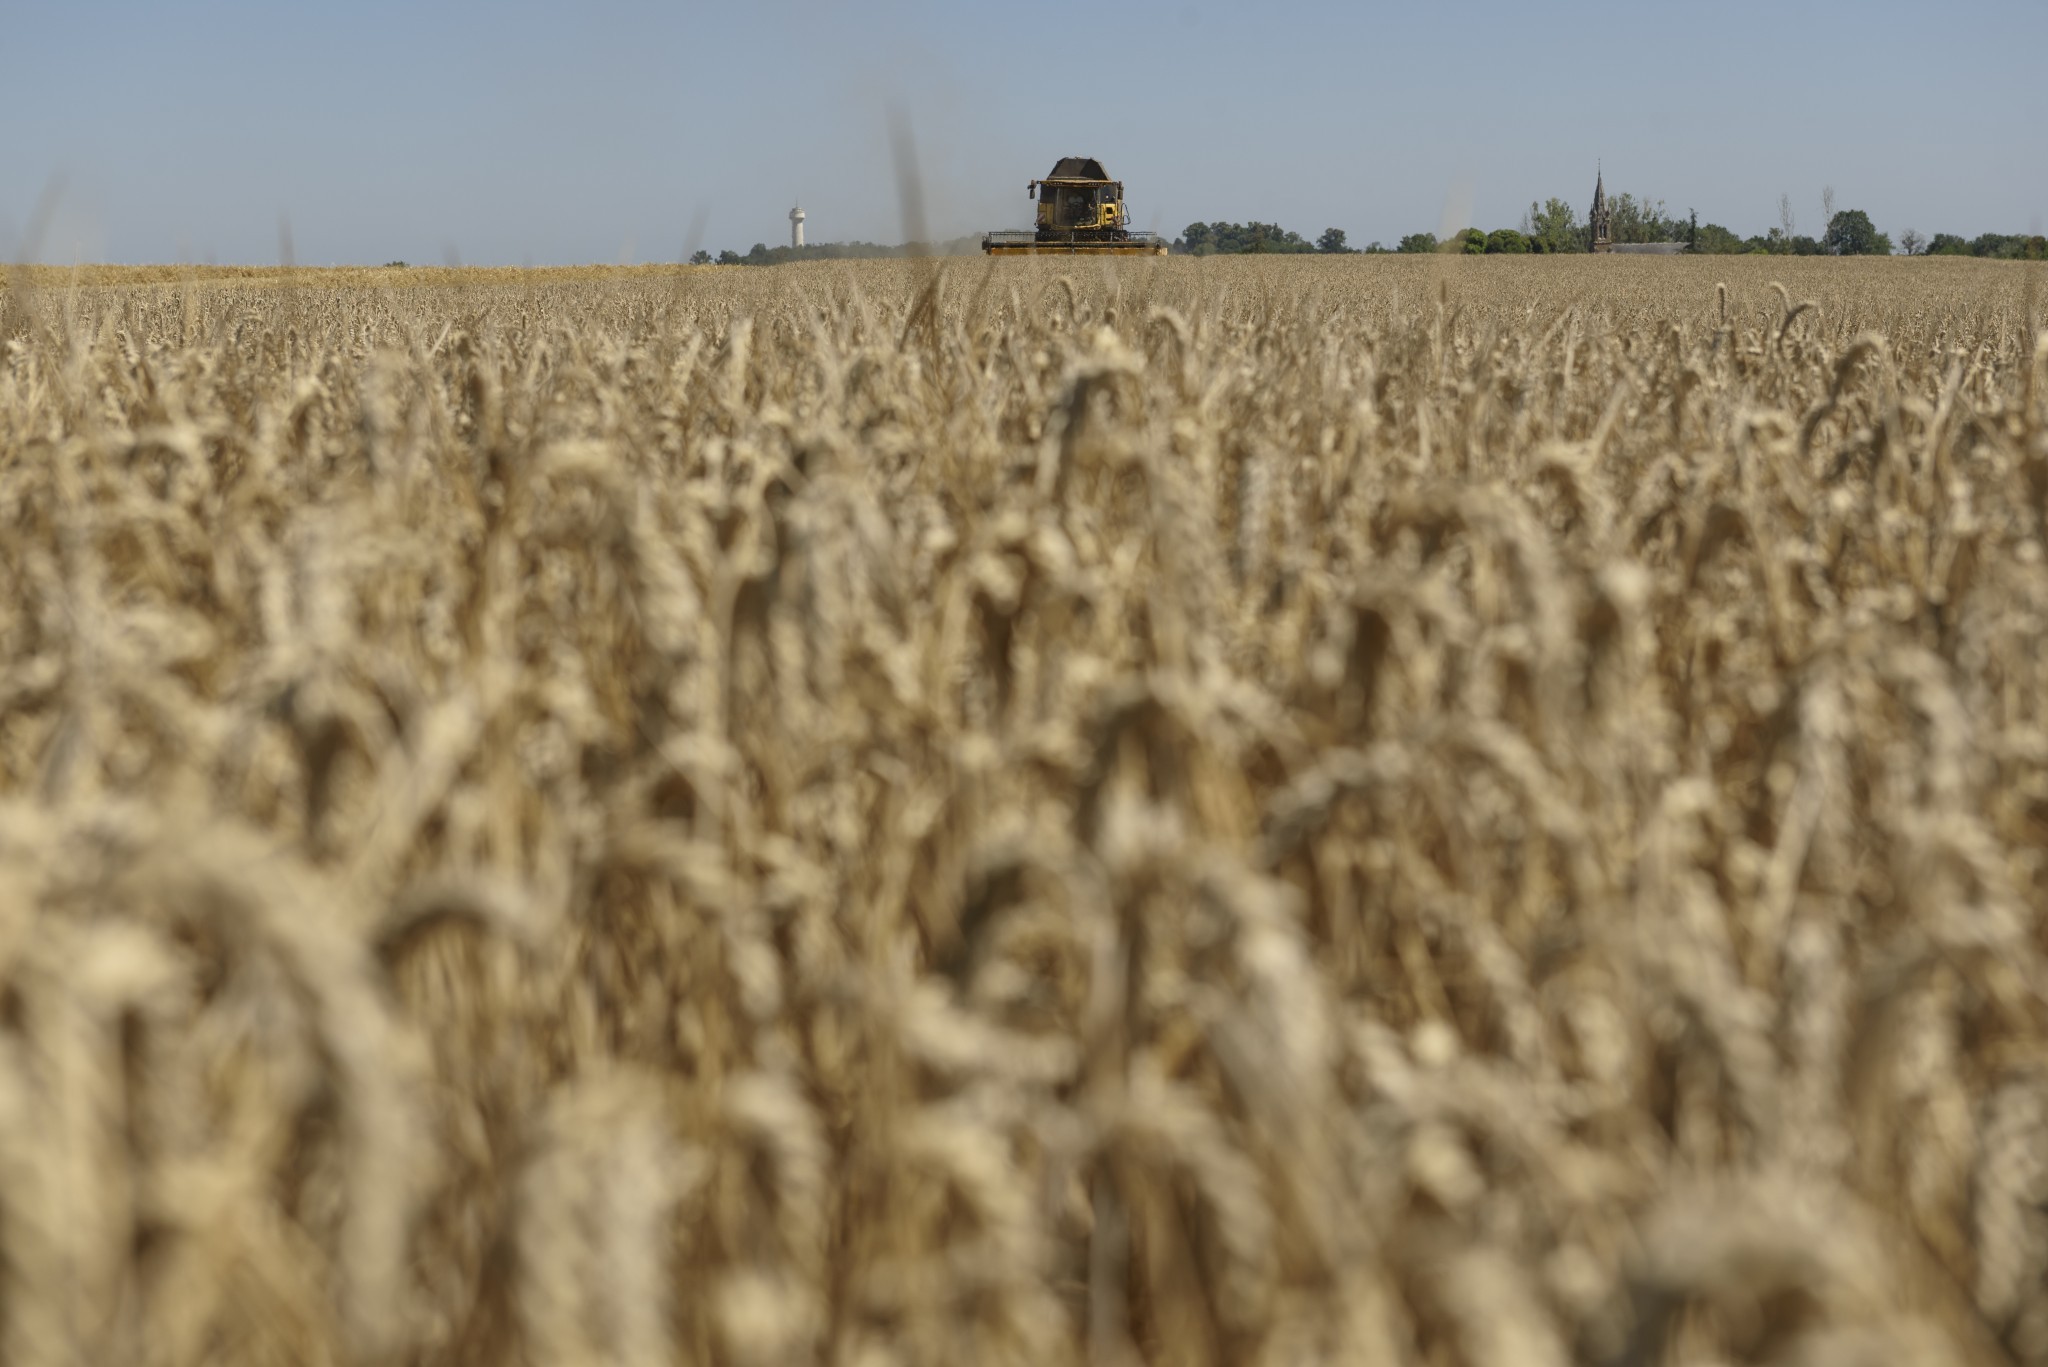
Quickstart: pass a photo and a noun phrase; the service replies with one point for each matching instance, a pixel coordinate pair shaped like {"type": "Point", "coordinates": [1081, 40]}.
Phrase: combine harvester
{"type": "Point", "coordinates": [1081, 212]}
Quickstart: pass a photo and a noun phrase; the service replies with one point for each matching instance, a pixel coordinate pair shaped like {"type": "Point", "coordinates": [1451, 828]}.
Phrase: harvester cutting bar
{"type": "Point", "coordinates": [1070, 244]}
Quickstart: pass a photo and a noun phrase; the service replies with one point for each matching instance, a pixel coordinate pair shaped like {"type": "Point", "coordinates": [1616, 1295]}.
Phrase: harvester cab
{"type": "Point", "coordinates": [1080, 210]}
{"type": "Point", "coordinates": [1078, 198]}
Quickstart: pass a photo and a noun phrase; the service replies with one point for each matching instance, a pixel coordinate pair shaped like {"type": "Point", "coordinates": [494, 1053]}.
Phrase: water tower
{"type": "Point", "coordinates": [796, 226]}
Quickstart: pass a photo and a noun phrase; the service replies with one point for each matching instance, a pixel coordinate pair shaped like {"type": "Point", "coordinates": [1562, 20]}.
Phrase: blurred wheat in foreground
{"type": "Point", "coordinates": [1388, 811]}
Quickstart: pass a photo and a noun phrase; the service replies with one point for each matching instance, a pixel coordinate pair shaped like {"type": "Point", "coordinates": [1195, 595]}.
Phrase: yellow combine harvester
{"type": "Point", "coordinates": [1081, 211]}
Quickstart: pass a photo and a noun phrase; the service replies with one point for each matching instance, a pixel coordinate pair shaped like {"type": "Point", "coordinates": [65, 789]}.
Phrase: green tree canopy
{"type": "Point", "coordinates": [1642, 220]}
{"type": "Point", "coordinates": [1715, 240]}
{"type": "Point", "coordinates": [1553, 226]}
{"type": "Point", "coordinates": [1332, 242]}
{"type": "Point", "coordinates": [1851, 233]}
{"type": "Point", "coordinates": [1506, 242]}
{"type": "Point", "coordinates": [1947, 244]}
{"type": "Point", "coordinates": [1262, 238]}
{"type": "Point", "coordinates": [2007, 246]}
{"type": "Point", "coordinates": [1778, 242]}
{"type": "Point", "coordinates": [1470, 242]}
{"type": "Point", "coordinates": [1417, 242]}
{"type": "Point", "coordinates": [1237, 239]}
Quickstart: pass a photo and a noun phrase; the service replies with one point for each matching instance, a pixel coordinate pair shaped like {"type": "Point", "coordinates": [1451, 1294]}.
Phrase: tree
{"type": "Point", "coordinates": [1506, 242]}
{"type": "Point", "coordinates": [729, 257]}
{"type": "Point", "coordinates": [1692, 231]}
{"type": "Point", "coordinates": [1715, 240]}
{"type": "Point", "coordinates": [1264, 238]}
{"type": "Point", "coordinates": [1332, 242]}
{"type": "Point", "coordinates": [1851, 233]}
{"type": "Point", "coordinates": [1642, 220]}
{"type": "Point", "coordinates": [700, 257]}
{"type": "Point", "coordinates": [1470, 242]}
{"type": "Point", "coordinates": [1415, 243]}
{"type": "Point", "coordinates": [1911, 242]}
{"type": "Point", "coordinates": [1373, 248]}
{"type": "Point", "coordinates": [1234, 239]}
{"type": "Point", "coordinates": [2010, 247]}
{"type": "Point", "coordinates": [1553, 227]}
{"type": "Point", "coordinates": [1947, 244]}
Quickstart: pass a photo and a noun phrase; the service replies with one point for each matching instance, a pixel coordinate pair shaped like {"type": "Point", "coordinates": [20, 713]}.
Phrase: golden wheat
{"type": "Point", "coordinates": [1179, 812]}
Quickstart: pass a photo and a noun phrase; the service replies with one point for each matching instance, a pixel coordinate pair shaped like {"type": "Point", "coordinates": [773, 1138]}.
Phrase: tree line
{"type": "Point", "coordinates": [1552, 227]}
{"type": "Point", "coordinates": [1555, 227]}
{"type": "Point", "coordinates": [764, 255]}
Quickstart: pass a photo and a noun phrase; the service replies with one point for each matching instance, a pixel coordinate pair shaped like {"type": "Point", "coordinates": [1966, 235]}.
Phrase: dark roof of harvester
{"type": "Point", "coordinates": [1078, 168]}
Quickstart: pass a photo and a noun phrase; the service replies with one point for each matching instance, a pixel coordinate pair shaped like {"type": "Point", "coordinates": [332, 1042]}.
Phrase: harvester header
{"type": "Point", "coordinates": [1081, 211]}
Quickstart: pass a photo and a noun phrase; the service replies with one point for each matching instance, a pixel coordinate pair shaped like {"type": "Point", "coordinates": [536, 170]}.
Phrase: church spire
{"type": "Point", "coordinates": [1600, 221]}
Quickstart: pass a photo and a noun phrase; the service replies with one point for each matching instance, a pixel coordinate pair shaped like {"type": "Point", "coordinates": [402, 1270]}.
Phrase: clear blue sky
{"type": "Point", "coordinates": [514, 132]}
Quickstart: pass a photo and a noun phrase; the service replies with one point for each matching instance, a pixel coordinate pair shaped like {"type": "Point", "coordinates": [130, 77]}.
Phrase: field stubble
{"type": "Point", "coordinates": [1185, 812]}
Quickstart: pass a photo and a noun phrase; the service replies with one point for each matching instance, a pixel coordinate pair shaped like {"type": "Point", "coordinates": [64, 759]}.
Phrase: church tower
{"type": "Point", "coordinates": [1601, 221]}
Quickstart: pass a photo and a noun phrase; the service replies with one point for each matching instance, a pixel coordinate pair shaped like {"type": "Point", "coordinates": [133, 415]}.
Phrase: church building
{"type": "Point", "coordinates": [1600, 225]}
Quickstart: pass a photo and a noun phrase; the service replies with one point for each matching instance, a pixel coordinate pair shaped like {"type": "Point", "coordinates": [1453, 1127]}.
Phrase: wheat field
{"type": "Point", "coordinates": [1188, 812]}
